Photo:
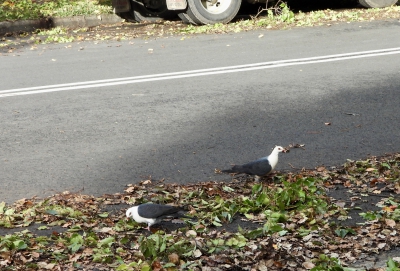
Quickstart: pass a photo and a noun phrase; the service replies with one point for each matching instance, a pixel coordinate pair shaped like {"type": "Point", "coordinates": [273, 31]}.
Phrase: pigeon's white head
{"type": "Point", "coordinates": [130, 212]}
{"type": "Point", "coordinates": [279, 149]}
{"type": "Point", "coordinates": [273, 157]}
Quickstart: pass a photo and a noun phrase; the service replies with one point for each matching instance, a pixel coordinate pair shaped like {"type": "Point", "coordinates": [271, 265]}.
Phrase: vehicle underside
{"type": "Point", "coordinates": [198, 11]}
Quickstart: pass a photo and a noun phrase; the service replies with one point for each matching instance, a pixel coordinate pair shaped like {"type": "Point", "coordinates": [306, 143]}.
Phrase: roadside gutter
{"type": "Point", "coordinates": [50, 22]}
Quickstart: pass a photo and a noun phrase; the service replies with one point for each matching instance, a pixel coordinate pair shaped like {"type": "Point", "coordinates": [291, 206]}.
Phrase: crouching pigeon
{"type": "Point", "coordinates": [152, 213]}
{"type": "Point", "coordinates": [260, 167]}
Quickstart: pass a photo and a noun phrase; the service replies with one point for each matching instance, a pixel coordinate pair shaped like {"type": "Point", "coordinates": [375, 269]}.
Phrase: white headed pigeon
{"type": "Point", "coordinates": [260, 167]}
{"type": "Point", "coordinates": [152, 213]}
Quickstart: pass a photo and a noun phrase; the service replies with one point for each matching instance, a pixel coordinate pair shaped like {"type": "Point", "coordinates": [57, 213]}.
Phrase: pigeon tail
{"type": "Point", "coordinates": [234, 169]}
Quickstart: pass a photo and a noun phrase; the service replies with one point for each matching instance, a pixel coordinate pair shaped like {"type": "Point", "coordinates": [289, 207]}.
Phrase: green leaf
{"type": "Point", "coordinates": [255, 233]}
{"type": "Point", "coordinates": [122, 267]}
{"type": "Point", "coordinates": [341, 232]}
{"type": "Point", "coordinates": [228, 189]}
{"type": "Point", "coordinates": [9, 212]}
{"type": "Point", "coordinates": [215, 223]}
{"type": "Point", "coordinates": [282, 233]}
{"type": "Point", "coordinates": [74, 247]}
{"type": "Point", "coordinates": [103, 215]}
{"type": "Point", "coordinates": [52, 212]}
{"type": "Point", "coordinates": [75, 228]}
{"type": "Point", "coordinates": [370, 215]}
{"type": "Point", "coordinates": [20, 244]}
{"type": "Point", "coordinates": [392, 265]}
{"type": "Point", "coordinates": [256, 188]}
{"type": "Point", "coordinates": [2, 206]}
{"type": "Point", "coordinates": [43, 228]}
{"type": "Point", "coordinates": [106, 242]}
{"type": "Point", "coordinates": [163, 246]}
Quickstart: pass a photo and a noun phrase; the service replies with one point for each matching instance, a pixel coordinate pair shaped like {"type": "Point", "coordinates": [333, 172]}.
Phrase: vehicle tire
{"type": "Point", "coordinates": [151, 11]}
{"type": "Point", "coordinates": [377, 3]}
{"type": "Point", "coordinates": [185, 18]}
{"type": "Point", "coordinates": [212, 11]}
{"type": "Point", "coordinates": [127, 16]}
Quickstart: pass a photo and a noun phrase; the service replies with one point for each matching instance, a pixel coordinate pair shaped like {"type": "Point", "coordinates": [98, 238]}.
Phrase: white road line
{"type": "Point", "coordinates": [195, 73]}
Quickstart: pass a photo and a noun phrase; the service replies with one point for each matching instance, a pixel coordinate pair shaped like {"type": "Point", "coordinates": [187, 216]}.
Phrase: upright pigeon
{"type": "Point", "coordinates": [152, 213]}
{"type": "Point", "coordinates": [260, 167]}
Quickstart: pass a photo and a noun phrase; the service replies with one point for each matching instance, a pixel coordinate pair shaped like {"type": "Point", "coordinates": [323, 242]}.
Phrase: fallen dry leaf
{"type": "Point", "coordinates": [308, 265]}
{"type": "Point", "coordinates": [173, 258]}
{"type": "Point", "coordinates": [390, 222]}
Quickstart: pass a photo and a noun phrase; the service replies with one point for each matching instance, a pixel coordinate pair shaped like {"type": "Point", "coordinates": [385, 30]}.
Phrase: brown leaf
{"type": "Point", "coordinates": [373, 182]}
{"type": "Point", "coordinates": [146, 182]}
{"type": "Point", "coordinates": [5, 255]}
{"type": "Point", "coordinates": [5, 263]}
{"type": "Point", "coordinates": [390, 222]}
{"type": "Point", "coordinates": [397, 188]}
{"type": "Point", "coordinates": [308, 265]}
{"type": "Point", "coordinates": [35, 254]}
{"type": "Point", "coordinates": [87, 251]}
{"type": "Point", "coordinates": [197, 253]}
{"type": "Point", "coordinates": [156, 266]}
{"type": "Point", "coordinates": [340, 203]}
{"type": "Point", "coordinates": [130, 189]}
{"type": "Point", "coordinates": [107, 230]}
{"type": "Point", "coordinates": [173, 258]}
{"type": "Point", "coordinates": [75, 257]}
{"type": "Point", "coordinates": [66, 225]}
{"type": "Point", "coordinates": [347, 184]}
{"type": "Point", "coordinates": [381, 245]}
{"type": "Point", "coordinates": [191, 233]}
{"type": "Point", "coordinates": [47, 266]}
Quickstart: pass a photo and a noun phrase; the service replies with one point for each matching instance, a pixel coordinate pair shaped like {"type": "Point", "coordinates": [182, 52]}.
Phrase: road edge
{"type": "Point", "coordinates": [50, 22]}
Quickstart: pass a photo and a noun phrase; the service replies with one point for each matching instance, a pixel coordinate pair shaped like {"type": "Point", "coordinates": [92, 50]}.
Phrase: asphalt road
{"type": "Point", "coordinates": [101, 136]}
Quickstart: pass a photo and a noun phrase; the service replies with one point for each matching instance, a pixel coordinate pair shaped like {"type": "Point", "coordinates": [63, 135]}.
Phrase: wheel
{"type": "Point", "coordinates": [151, 11]}
{"type": "Point", "coordinates": [377, 3]}
{"type": "Point", "coordinates": [128, 16]}
{"type": "Point", "coordinates": [185, 18]}
{"type": "Point", "coordinates": [212, 11]}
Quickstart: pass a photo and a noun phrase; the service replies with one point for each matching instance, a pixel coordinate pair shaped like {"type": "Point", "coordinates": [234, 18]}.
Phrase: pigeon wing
{"type": "Point", "coordinates": [258, 167]}
{"type": "Point", "coordinates": [158, 211]}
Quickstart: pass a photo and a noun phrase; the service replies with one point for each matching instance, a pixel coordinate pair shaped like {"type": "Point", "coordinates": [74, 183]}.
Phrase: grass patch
{"type": "Point", "coordinates": [31, 9]}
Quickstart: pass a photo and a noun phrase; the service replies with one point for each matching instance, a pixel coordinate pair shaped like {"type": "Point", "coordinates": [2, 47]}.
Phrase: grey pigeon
{"type": "Point", "coordinates": [152, 213]}
{"type": "Point", "coordinates": [260, 167]}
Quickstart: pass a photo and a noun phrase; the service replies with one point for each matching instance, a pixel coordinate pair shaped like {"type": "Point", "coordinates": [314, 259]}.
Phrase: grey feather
{"type": "Point", "coordinates": [159, 211]}
{"type": "Point", "coordinates": [258, 167]}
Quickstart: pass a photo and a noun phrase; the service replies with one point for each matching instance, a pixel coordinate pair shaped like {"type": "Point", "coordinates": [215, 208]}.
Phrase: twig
{"type": "Point", "coordinates": [352, 114]}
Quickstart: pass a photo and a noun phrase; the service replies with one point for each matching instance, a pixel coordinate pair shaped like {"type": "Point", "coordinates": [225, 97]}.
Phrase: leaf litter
{"type": "Point", "coordinates": [12, 43]}
{"type": "Point", "coordinates": [322, 219]}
